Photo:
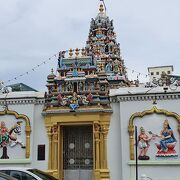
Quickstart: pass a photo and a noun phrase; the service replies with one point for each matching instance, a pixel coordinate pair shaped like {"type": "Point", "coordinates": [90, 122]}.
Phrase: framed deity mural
{"type": "Point", "coordinates": [14, 135]}
{"type": "Point", "coordinates": [158, 135]}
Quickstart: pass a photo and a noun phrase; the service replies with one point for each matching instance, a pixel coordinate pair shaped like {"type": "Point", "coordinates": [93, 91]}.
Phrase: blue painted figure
{"type": "Point", "coordinates": [108, 67]}
{"type": "Point", "coordinates": [74, 102]}
{"type": "Point", "coordinates": [166, 136]}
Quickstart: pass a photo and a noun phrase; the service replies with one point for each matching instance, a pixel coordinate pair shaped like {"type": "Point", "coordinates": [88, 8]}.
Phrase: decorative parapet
{"type": "Point", "coordinates": [145, 97]}
{"type": "Point", "coordinates": [81, 110]}
{"type": "Point", "coordinates": [15, 101]}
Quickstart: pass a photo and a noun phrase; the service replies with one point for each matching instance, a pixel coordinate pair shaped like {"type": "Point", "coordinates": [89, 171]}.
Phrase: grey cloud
{"type": "Point", "coordinates": [31, 31]}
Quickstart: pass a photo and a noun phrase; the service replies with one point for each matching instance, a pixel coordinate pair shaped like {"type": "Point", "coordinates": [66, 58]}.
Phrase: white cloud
{"type": "Point", "coordinates": [31, 31]}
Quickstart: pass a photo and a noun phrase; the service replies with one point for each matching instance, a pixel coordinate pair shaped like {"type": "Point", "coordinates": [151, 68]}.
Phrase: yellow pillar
{"type": "Point", "coordinates": [96, 135]}
{"type": "Point", "coordinates": [104, 171]}
{"type": "Point", "coordinates": [28, 132]}
{"type": "Point", "coordinates": [60, 152]}
{"type": "Point", "coordinates": [101, 151]}
{"type": "Point", "coordinates": [49, 132]}
{"type": "Point", "coordinates": [55, 151]}
{"type": "Point", "coordinates": [131, 141]}
{"type": "Point", "coordinates": [97, 151]}
{"type": "Point", "coordinates": [105, 132]}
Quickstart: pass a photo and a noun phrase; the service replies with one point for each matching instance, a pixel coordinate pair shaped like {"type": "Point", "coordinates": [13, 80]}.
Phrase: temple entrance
{"type": "Point", "coordinates": [78, 152]}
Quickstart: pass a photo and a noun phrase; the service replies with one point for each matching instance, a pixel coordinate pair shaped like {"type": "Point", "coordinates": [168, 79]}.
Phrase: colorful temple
{"type": "Point", "coordinates": [85, 76]}
{"type": "Point", "coordinates": [78, 96]}
{"type": "Point", "coordinates": [83, 128]}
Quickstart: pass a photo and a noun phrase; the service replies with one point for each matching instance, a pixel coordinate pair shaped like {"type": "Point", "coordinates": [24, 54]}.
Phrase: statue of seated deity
{"type": "Point", "coordinates": [167, 141]}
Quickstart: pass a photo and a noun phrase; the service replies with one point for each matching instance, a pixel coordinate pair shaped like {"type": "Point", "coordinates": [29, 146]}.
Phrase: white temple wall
{"type": "Point", "coordinates": [32, 108]}
{"type": "Point", "coordinates": [118, 141]}
{"type": "Point", "coordinates": [16, 153]}
{"type": "Point", "coordinates": [120, 165]}
{"type": "Point", "coordinates": [114, 145]}
{"type": "Point", "coordinates": [40, 138]}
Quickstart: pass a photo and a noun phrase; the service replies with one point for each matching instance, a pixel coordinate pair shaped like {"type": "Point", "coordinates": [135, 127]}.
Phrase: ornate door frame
{"type": "Point", "coordinates": [100, 122]}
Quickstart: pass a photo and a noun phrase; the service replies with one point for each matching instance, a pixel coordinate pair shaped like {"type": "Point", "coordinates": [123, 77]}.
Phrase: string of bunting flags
{"type": "Point", "coordinates": [35, 67]}
{"type": "Point", "coordinates": [61, 53]}
{"type": "Point", "coordinates": [138, 73]}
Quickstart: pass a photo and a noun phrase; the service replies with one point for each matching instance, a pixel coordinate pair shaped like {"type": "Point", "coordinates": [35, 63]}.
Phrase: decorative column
{"type": "Point", "coordinates": [179, 127]}
{"type": "Point", "coordinates": [55, 144]}
{"type": "Point", "coordinates": [97, 150]}
{"type": "Point", "coordinates": [96, 136]}
{"type": "Point", "coordinates": [28, 132]}
{"type": "Point", "coordinates": [131, 141]}
{"type": "Point", "coordinates": [60, 153]}
{"type": "Point", "coordinates": [105, 129]}
{"type": "Point", "coordinates": [101, 150]}
{"type": "Point", "coordinates": [55, 150]}
{"type": "Point", "coordinates": [49, 133]}
{"type": "Point", "coordinates": [104, 171]}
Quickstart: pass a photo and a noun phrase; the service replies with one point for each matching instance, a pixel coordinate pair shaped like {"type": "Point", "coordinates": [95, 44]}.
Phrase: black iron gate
{"type": "Point", "coordinates": [78, 152]}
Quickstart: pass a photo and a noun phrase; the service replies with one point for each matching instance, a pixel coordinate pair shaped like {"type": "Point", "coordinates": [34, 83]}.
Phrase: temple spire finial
{"type": "Point", "coordinates": [52, 71]}
{"type": "Point", "coordinates": [102, 7]}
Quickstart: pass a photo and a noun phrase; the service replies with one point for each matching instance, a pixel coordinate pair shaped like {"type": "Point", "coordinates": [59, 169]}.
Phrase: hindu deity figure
{"type": "Point", "coordinates": [89, 97]}
{"type": "Point", "coordinates": [116, 66]}
{"type": "Point", "coordinates": [5, 137]}
{"type": "Point", "coordinates": [167, 141]}
{"type": "Point", "coordinates": [4, 134]}
{"type": "Point", "coordinates": [143, 142]}
{"type": "Point", "coordinates": [74, 104]}
{"type": "Point", "coordinates": [17, 132]}
{"type": "Point", "coordinates": [108, 67]}
{"type": "Point", "coordinates": [69, 86]}
{"type": "Point", "coordinates": [62, 99]}
{"type": "Point", "coordinates": [75, 98]}
{"type": "Point", "coordinates": [80, 87]}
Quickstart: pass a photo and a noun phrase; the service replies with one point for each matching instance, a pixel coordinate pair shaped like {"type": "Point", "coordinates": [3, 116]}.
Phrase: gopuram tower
{"type": "Point", "coordinates": [102, 45]}
{"type": "Point", "coordinates": [77, 106]}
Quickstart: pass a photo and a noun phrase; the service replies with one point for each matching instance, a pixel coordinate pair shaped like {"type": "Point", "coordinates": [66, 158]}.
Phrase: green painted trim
{"type": "Point", "coordinates": [15, 161]}
{"type": "Point", "coordinates": [155, 163]}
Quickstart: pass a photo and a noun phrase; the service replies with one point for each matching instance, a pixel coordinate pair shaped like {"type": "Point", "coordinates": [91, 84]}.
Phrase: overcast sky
{"type": "Point", "coordinates": [33, 30]}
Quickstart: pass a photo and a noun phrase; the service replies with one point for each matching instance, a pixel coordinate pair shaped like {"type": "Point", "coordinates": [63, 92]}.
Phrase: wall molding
{"type": "Point", "coordinates": [15, 161]}
{"type": "Point", "coordinates": [17, 101]}
{"type": "Point", "coordinates": [155, 163]}
{"type": "Point", "coordinates": [144, 97]}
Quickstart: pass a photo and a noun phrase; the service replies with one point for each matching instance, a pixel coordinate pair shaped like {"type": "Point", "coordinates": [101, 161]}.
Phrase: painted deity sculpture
{"type": "Point", "coordinates": [167, 141]}
{"type": "Point", "coordinates": [17, 133]}
{"type": "Point", "coordinates": [10, 137]}
{"type": "Point", "coordinates": [143, 142]}
{"type": "Point", "coordinates": [5, 134]}
{"type": "Point", "coordinates": [74, 101]}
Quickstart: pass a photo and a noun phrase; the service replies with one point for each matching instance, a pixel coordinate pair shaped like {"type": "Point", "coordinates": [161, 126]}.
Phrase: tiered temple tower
{"type": "Point", "coordinates": [85, 76]}
{"type": "Point", "coordinates": [102, 45]}
{"type": "Point", "coordinates": [79, 96]}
